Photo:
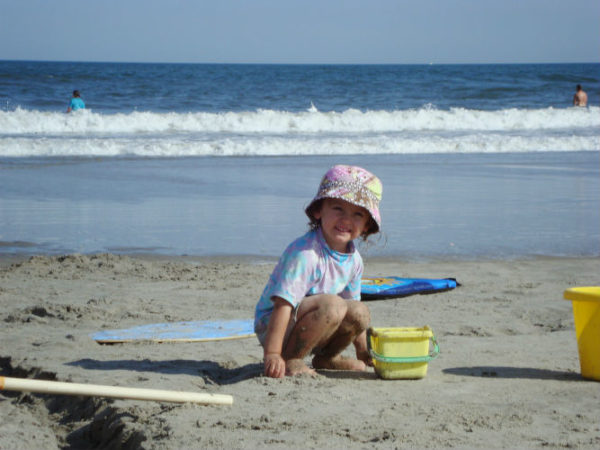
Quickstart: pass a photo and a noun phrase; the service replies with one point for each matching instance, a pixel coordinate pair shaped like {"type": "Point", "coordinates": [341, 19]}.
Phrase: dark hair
{"type": "Point", "coordinates": [579, 87]}
{"type": "Point", "coordinates": [315, 223]}
{"type": "Point", "coordinates": [75, 93]}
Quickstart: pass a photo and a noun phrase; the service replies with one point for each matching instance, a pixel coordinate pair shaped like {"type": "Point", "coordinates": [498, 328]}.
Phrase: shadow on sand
{"type": "Point", "coordinates": [514, 372]}
{"type": "Point", "coordinates": [210, 371]}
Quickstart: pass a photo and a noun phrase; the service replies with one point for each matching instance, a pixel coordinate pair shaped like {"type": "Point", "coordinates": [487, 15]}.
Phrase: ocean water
{"type": "Point", "coordinates": [476, 160]}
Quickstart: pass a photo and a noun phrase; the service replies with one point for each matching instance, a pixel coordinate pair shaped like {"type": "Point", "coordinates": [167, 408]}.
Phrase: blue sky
{"type": "Point", "coordinates": [302, 31]}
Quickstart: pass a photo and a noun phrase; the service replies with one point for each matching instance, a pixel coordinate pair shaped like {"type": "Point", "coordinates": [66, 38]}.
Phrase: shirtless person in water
{"type": "Point", "coordinates": [580, 97]}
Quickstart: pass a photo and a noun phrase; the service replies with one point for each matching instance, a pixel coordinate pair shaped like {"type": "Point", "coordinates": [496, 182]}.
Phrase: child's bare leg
{"type": "Point", "coordinates": [319, 316]}
{"type": "Point", "coordinates": [357, 319]}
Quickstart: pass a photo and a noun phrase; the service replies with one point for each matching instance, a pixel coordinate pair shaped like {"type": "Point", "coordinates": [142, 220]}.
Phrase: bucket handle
{"type": "Point", "coordinates": [405, 359]}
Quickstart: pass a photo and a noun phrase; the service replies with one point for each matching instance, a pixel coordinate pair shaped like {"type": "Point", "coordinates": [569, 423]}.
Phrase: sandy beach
{"type": "Point", "coordinates": [507, 376]}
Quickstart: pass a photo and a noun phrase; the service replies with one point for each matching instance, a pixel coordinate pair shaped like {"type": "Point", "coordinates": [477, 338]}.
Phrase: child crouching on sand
{"type": "Point", "coordinates": [311, 301]}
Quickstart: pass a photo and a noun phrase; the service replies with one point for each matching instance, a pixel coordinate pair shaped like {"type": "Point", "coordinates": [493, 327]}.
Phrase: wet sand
{"type": "Point", "coordinates": [507, 376]}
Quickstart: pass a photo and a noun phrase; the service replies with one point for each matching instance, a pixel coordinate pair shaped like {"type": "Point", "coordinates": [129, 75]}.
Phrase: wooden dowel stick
{"type": "Point", "coordinates": [57, 387]}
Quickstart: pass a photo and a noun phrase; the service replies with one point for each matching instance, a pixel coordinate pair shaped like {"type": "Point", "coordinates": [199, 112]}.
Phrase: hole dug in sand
{"type": "Point", "coordinates": [83, 422]}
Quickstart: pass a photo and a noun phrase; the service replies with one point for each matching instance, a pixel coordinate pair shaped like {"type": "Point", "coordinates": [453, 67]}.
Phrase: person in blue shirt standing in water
{"type": "Point", "coordinates": [76, 102]}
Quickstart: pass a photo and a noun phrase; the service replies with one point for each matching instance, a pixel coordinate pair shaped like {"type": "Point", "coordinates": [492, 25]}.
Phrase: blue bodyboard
{"type": "Point", "coordinates": [196, 331]}
{"type": "Point", "coordinates": [378, 288]}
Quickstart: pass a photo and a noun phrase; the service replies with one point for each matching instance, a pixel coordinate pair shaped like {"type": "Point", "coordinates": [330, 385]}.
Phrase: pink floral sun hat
{"type": "Point", "coordinates": [352, 184]}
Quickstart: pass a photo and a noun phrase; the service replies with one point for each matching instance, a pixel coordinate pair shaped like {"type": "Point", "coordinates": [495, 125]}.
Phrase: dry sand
{"type": "Point", "coordinates": [507, 376]}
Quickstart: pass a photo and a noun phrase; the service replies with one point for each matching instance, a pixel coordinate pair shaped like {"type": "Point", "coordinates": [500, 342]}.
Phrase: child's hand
{"type": "Point", "coordinates": [274, 365]}
{"type": "Point", "coordinates": [363, 355]}
{"type": "Point", "coordinates": [362, 352]}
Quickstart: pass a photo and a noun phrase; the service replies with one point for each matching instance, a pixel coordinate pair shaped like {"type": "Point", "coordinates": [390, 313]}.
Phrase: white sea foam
{"type": "Point", "coordinates": [269, 132]}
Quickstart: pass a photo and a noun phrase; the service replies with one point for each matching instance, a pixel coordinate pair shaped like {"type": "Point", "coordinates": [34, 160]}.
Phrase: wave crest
{"type": "Point", "coordinates": [310, 132]}
{"type": "Point", "coordinates": [22, 121]}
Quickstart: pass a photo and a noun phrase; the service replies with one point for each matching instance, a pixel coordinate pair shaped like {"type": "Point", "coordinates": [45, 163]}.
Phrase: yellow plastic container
{"type": "Point", "coordinates": [401, 353]}
{"type": "Point", "coordinates": [586, 312]}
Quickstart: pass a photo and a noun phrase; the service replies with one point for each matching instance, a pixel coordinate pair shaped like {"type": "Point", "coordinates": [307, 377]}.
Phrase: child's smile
{"type": "Point", "coordinates": [341, 222]}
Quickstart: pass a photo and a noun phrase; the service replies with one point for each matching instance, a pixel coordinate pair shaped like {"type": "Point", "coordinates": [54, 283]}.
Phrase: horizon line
{"type": "Point", "coordinates": [295, 63]}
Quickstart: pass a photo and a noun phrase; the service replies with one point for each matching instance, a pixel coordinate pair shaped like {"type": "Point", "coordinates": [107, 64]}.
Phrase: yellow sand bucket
{"type": "Point", "coordinates": [401, 353]}
{"type": "Point", "coordinates": [586, 312]}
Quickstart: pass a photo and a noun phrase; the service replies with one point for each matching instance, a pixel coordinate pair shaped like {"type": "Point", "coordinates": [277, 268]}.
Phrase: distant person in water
{"type": "Point", "coordinates": [76, 102]}
{"type": "Point", "coordinates": [580, 97]}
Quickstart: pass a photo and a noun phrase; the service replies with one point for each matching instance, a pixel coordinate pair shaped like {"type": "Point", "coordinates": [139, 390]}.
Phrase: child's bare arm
{"type": "Point", "coordinates": [362, 352]}
{"type": "Point", "coordinates": [278, 323]}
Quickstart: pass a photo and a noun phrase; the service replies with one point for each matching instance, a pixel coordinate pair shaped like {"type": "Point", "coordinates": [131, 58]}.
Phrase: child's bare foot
{"type": "Point", "coordinates": [338, 362]}
{"type": "Point", "coordinates": [297, 367]}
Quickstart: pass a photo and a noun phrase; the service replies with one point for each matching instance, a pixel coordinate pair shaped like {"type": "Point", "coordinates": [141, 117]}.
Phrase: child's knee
{"type": "Point", "coordinates": [358, 314]}
{"type": "Point", "coordinates": [332, 308]}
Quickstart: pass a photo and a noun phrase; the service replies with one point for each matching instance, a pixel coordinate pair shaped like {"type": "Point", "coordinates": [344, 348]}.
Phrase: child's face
{"type": "Point", "coordinates": [341, 222]}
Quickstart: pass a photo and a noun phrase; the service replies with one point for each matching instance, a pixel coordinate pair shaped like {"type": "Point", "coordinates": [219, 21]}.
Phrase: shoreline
{"type": "Point", "coordinates": [456, 205]}
{"type": "Point", "coordinates": [507, 375]}
{"type": "Point", "coordinates": [12, 257]}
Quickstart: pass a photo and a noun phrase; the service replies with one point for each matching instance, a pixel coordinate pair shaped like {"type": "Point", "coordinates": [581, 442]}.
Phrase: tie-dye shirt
{"type": "Point", "coordinates": [308, 267]}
